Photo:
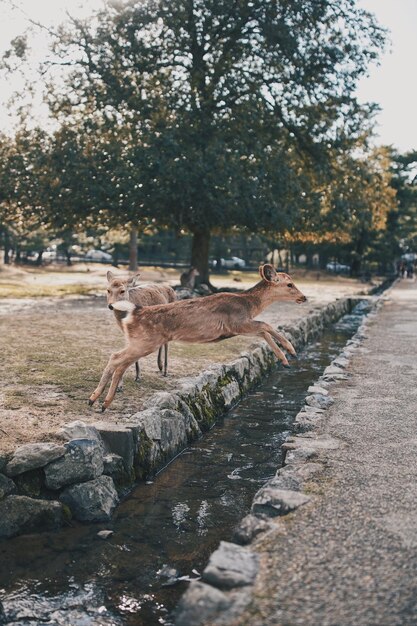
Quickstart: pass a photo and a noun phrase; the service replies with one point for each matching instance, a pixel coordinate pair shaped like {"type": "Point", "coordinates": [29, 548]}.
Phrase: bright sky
{"type": "Point", "coordinates": [392, 84]}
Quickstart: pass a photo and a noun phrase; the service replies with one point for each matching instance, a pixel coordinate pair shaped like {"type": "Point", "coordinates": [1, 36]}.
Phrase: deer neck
{"type": "Point", "coordinates": [260, 297]}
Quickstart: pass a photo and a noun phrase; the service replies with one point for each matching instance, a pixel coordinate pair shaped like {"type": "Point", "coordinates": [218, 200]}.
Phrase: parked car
{"type": "Point", "coordinates": [231, 263]}
{"type": "Point", "coordinates": [337, 267]}
{"type": "Point", "coordinates": [98, 255]}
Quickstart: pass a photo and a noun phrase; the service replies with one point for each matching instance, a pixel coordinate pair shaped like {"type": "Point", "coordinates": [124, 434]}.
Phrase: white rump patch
{"type": "Point", "coordinates": [124, 305]}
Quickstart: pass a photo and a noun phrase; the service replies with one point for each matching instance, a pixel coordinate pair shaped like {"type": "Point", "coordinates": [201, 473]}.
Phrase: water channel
{"type": "Point", "coordinates": [168, 527]}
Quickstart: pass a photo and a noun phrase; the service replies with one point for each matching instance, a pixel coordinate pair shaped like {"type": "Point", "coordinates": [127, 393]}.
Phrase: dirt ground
{"type": "Point", "coordinates": [54, 348]}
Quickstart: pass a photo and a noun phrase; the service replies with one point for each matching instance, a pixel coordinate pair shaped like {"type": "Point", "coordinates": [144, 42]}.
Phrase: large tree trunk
{"type": "Point", "coordinates": [200, 255]}
{"type": "Point", "coordinates": [133, 249]}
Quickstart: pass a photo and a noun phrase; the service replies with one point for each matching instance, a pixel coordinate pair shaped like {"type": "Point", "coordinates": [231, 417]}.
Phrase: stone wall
{"type": "Point", "coordinates": [43, 485]}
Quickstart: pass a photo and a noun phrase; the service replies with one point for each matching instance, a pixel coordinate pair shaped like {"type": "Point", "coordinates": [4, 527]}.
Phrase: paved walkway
{"type": "Point", "coordinates": [350, 558]}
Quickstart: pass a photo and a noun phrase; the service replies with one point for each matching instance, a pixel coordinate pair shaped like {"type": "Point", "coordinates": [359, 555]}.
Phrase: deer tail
{"type": "Point", "coordinates": [126, 308]}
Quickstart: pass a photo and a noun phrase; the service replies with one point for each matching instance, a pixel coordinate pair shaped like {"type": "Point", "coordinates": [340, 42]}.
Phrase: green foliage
{"type": "Point", "coordinates": [209, 117]}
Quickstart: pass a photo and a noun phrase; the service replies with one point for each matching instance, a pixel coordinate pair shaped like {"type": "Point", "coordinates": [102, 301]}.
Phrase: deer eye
{"type": "Point", "coordinates": [290, 285]}
{"type": "Point", "coordinates": [123, 291]}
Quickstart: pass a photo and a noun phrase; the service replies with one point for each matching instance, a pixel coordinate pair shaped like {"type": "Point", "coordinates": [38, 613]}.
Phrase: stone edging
{"type": "Point", "coordinates": [227, 581]}
{"type": "Point", "coordinates": [43, 485]}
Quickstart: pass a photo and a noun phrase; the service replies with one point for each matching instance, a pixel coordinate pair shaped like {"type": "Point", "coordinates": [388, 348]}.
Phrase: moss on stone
{"type": "Point", "coordinates": [30, 483]}
{"type": "Point", "coordinates": [143, 465]}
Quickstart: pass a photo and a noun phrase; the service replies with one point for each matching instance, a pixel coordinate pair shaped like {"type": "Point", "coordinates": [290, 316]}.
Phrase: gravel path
{"type": "Point", "coordinates": [349, 558]}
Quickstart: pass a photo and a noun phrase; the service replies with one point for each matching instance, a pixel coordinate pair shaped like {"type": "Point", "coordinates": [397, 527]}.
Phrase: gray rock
{"type": "Point", "coordinates": [231, 566]}
{"type": "Point", "coordinates": [6, 486]}
{"type": "Point", "coordinates": [30, 483]}
{"type": "Point", "coordinates": [306, 423]}
{"type": "Point", "coordinates": [318, 389]}
{"type": "Point", "coordinates": [311, 442]}
{"type": "Point", "coordinates": [118, 439]}
{"type": "Point", "coordinates": [83, 461]}
{"type": "Point", "coordinates": [240, 367]}
{"type": "Point", "coordinates": [299, 455]}
{"type": "Point", "coordinates": [249, 528]}
{"type": "Point", "coordinates": [299, 474]}
{"type": "Point", "coordinates": [149, 420]}
{"type": "Point", "coordinates": [173, 432]}
{"type": "Point", "coordinates": [288, 480]}
{"type": "Point", "coordinates": [271, 501]}
{"type": "Point", "coordinates": [93, 501]}
{"type": "Point", "coordinates": [231, 394]}
{"type": "Point", "coordinates": [33, 455]}
{"type": "Point", "coordinates": [78, 430]}
{"type": "Point", "coordinates": [20, 514]}
{"type": "Point", "coordinates": [319, 401]}
{"type": "Point", "coordinates": [306, 471]}
{"type": "Point", "coordinates": [4, 459]}
{"type": "Point", "coordinates": [200, 604]}
{"type": "Point", "coordinates": [114, 467]}
{"type": "Point", "coordinates": [332, 370]}
{"type": "Point", "coordinates": [341, 362]}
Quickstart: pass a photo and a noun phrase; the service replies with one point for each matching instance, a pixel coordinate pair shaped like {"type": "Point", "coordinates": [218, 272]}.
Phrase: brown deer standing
{"type": "Point", "coordinates": [205, 320]}
{"type": "Point", "coordinates": [120, 289]}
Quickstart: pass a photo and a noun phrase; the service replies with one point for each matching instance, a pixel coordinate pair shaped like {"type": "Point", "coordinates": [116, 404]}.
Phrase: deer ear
{"type": "Point", "coordinates": [110, 276]}
{"type": "Point", "coordinates": [268, 273]}
{"type": "Point", "coordinates": [133, 280]}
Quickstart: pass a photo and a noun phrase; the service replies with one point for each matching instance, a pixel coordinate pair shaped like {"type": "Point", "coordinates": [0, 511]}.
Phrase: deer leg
{"type": "Point", "coordinates": [137, 368]}
{"type": "Point", "coordinates": [165, 358]}
{"type": "Point", "coordinates": [160, 366]}
{"type": "Point", "coordinates": [282, 340]}
{"type": "Point", "coordinates": [277, 351]}
{"type": "Point", "coordinates": [107, 374]}
{"type": "Point", "coordinates": [120, 386]}
{"type": "Point", "coordinates": [117, 375]}
{"type": "Point", "coordinates": [261, 329]}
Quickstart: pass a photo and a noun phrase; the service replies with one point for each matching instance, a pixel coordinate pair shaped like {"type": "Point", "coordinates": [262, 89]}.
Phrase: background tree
{"type": "Point", "coordinates": [206, 74]}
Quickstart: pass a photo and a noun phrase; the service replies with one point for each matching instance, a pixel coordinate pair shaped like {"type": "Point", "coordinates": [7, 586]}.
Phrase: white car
{"type": "Point", "coordinates": [337, 267]}
{"type": "Point", "coordinates": [98, 255]}
{"type": "Point", "coordinates": [233, 263]}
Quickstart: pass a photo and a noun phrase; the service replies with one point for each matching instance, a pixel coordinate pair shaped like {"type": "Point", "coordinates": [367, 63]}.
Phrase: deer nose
{"type": "Point", "coordinates": [111, 307]}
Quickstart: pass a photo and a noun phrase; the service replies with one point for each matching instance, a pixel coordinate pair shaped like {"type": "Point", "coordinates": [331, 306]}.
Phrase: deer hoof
{"type": "Point", "coordinates": [103, 408]}
{"type": "Point", "coordinates": [91, 402]}
{"type": "Point", "coordinates": [287, 366]}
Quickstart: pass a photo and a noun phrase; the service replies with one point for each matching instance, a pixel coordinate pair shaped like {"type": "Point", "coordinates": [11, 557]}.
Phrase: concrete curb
{"type": "Point", "coordinates": [140, 447]}
{"type": "Point", "coordinates": [210, 602]}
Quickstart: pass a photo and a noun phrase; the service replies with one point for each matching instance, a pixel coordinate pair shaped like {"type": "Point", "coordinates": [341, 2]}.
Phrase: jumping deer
{"type": "Point", "coordinates": [204, 320]}
{"type": "Point", "coordinates": [144, 294]}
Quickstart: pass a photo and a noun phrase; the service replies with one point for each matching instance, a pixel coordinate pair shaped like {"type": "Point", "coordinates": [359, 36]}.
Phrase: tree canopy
{"type": "Point", "coordinates": [211, 116]}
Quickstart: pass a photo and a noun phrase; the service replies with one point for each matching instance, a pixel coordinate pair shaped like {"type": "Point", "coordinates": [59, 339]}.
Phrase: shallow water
{"type": "Point", "coordinates": [166, 528]}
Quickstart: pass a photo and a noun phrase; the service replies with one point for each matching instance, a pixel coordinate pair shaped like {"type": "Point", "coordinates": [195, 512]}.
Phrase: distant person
{"type": "Point", "coordinates": [402, 269]}
{"type": "Point", "coordinates": [410, 270]}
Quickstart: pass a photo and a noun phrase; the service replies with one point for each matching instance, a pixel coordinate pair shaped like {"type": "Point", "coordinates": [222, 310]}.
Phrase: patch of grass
{"type": "Point", "coordinates": [23, 290]}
